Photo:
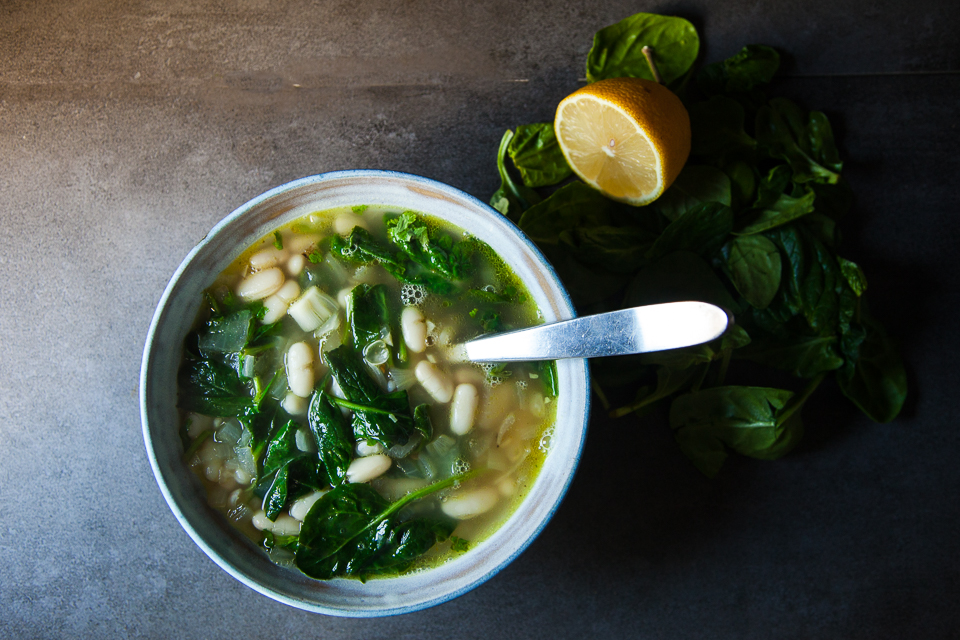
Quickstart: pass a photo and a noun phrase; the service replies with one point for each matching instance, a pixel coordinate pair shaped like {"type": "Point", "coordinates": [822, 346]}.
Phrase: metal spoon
{"type": "Point", "coordinates": [636, 330]}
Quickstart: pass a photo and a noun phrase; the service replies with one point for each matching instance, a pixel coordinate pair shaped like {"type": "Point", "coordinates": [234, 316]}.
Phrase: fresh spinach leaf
{"type": "Point", "coordinates": [772, 186]}
{"type": "Point", "coordinates": [802, 356]}
{"type": "Point", "coordinates": [833, 200]}
{"type": "Point", "coordinates": [874, 377]}
{"type": "Point", "coordinates": [701, 230]}
{"type": "Point", "coordinates": [716, 129]}
{"type": "Point", "coordinates": [784, 132]}
{"type": "Point", "coordinates": [537, 155]}
{"type": "Point", "coordinates": [747, 420]}
{"type": "Point", "coordinates": [785, 209]}
{"type": "Point", "coordinates": [753, 264]}
{"type": "Point", "coordinates": [696, 185]}
{"type": "Point", "coordinates": [511, 199]}
{"type": "Point", "coordinates": [676, 277]}
{"type": "Point", "coordinates": [669, 381]}
{"type": "Point", "coordinates": [854, 275]}
{"type": "Point", "coordinates": [618, 249]}
{"type": "Point", "coordinates": [754, 66]}
{"type": "Point", "coordinates": [820, 143]}
{"type": "Point", "coordinates": [743, 182]}
{"type": "Point", "coordinates": [617, 49]}
{"type": "Point", "coordinates": [573, 205]}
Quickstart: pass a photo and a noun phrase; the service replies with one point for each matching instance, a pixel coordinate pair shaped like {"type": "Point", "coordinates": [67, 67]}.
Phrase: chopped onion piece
{"type": "Point", "coordinates": [313, 309]}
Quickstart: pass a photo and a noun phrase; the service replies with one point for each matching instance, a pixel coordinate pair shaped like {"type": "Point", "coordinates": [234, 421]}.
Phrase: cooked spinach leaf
{"type": "Point", "coordinates": [352, 531]}
{"type": "Point", "coordinates": [213, 388]}
{"type": "Point", "coordinates": [368, 314]}
{"type": "Point", "coordinates": [360, 248]}
{"type": "Point", "coordinates": [378, 416]}
{"type": "Point", "coordinates": [440, 255]}
{"type": "Point", "coordinates": [333, 440]}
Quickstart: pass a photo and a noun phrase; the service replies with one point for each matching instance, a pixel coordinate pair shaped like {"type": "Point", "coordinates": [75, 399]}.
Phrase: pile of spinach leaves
{"type": "Point", "coordinates": [750, 224]}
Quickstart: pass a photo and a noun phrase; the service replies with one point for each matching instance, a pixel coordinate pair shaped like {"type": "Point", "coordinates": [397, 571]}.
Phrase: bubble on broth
{"type": "Point", "coordinates": [546, 439]}
{"type": "Point", "coordinates": [413, 295]}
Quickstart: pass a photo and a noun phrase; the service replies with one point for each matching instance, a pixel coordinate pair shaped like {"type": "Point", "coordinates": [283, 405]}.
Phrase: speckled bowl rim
{"type": "Point", "coordinates": [231, 550]}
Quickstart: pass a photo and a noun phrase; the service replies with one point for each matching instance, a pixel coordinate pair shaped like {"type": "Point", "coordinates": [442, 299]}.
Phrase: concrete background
{"type": "Point", "coordinates": [127, 129]}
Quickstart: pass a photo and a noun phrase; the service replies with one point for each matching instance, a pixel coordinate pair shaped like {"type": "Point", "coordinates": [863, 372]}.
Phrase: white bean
{"type": "Point", "coordinates": [434, 381]}
{"type": "Point", "coordinates": [414, 329]}
{"type": "Point", "coordinates": [294, 404]}
{"type": "Point", "coordinates": [506, 486]}
{"type": "Point", "coordinates": [301, 506]}
{"type": "Point", "coordinates": [295, 265]}
{"type": "Point", "coordinates": [300, 243]}
{"type": "Point", "coordinates": [300, 369]}
{"type": "Point", "coordinates": [345, 223]}
{"type": "Point", "coordinates": [469, 504]}
{"type": "Point", "coordinates": [463, 409]}
{"type": "Point", "coordinates": [289, 291]}
{"type": "Point", "coordinates": [261, 284]}
{"type": "Point", "coordinates": [276, 309]}
{"type": "Point", "coordinates": [197, 424]}
{"type": "Point", "coordinates": [282, 526]}
{"type": "Point", "coordinates": [367, 468]}
{"type": "Point", "coordinates": [267, 258]}
{"type": "Point", "coordinates": [343, 297]}
{"type": "Point", "coordinates": [278, 303]}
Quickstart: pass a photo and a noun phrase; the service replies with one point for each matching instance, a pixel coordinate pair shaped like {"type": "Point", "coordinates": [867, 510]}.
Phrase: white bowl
{"type": "Point", "coordinates": [158, 396]}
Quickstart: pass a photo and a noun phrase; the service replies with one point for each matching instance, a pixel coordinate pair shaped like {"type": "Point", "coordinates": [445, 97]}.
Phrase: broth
{"type": "Point", "coordinates": [326, 363]}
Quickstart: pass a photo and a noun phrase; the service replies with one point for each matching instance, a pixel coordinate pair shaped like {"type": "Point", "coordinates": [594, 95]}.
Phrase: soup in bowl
{"type": "Point", "coordinates": [310, 418]}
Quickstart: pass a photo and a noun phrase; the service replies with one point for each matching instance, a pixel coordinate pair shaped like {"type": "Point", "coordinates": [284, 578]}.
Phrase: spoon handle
{"type": "Point", "coordinates": [635, 330]}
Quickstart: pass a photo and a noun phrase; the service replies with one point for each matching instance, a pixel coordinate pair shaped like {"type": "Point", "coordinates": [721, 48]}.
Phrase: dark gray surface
{"type": "Point", "coordinates": [128, 129]}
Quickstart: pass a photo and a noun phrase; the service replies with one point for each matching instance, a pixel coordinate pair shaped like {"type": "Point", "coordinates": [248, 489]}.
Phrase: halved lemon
{"type": "Point", "coordinates": [627, 137]}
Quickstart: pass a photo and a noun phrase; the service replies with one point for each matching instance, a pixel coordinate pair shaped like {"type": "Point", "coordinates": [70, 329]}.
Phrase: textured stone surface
{"type": "Point", "coordinates": [128, 129]}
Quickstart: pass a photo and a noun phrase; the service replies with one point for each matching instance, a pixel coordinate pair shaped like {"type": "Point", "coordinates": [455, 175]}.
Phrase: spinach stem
{"type": "Point", "coordinates": [601, 395]}
{"type": "Point", "coordinates": [724, 365]}
{"type": "Point", "coordinates": [196, 444]}
{"type": "Point", "coordinates": [407, 499]}
{"type": "Point", "coordinates": [361, 407]}
{"type": "Point", "coordinates": [648, 54]}
{"type": "Point", "coordinates": [797, 401]}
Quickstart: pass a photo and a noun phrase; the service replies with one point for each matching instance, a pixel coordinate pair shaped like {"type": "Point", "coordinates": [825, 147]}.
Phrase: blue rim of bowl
{"type": "Point", "coordinates": [145, 362]}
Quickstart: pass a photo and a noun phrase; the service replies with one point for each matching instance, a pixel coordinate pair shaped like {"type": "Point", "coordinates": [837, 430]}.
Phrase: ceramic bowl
{"type": "Point", "coordinates": [177, 309]}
